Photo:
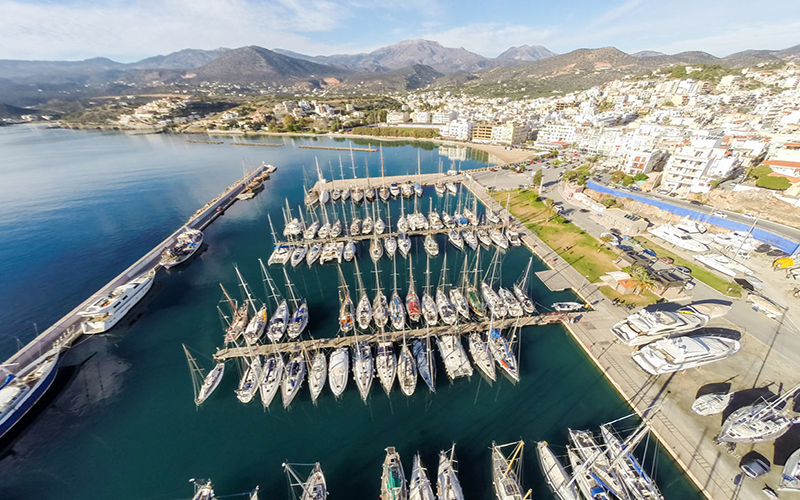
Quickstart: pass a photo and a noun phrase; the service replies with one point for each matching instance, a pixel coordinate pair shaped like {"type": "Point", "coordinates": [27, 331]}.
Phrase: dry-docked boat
{"type": "Point", "coordinates": [711, 404]}
{"type": "Point", "coordinates": [681, 353]}
{"type": "Point", "coordinates": [187, 243]}
{"type": "Point", "coordinates": [790, 477]}
{"type": "Point", "coordinates": [643, 327]}
{"type": "Point", "coordinates": [567, 306]}
{"type": "Point", "coordinates": [762, 421]}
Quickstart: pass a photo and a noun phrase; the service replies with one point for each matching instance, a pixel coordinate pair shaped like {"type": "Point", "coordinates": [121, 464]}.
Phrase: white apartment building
{"type": "Point", "coordinates": [397, 117]}
{"type": "Point", "coordinates": [442, 117]}
{"type": "Point", "coordinates": [509, 133]}
{"type": "Point", "coordinates": [458, 129]}
{"type": "Point", "coordinates": [558, 133]}
{"type": "Point", "coordinates": [421, 117]}
{"type": "Point", "coordinates": [635, 161]}
{"type": "Point", "coordinates": [693, 168]}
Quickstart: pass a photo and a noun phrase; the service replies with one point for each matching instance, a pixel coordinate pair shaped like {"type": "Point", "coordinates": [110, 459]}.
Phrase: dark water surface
{"type": "Point", "coordinates": [76, 208]}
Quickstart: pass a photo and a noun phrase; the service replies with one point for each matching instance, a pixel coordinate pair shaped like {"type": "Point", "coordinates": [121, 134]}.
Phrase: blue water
{"type": "Point", "coordinates": [79, 207]}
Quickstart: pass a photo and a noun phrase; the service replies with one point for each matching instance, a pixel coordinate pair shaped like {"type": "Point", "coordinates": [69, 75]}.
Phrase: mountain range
{"type": "Point", "coordinates": [406, 65]}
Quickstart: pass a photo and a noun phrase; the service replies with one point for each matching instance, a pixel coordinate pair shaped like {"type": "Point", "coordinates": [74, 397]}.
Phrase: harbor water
{"type": "Point", "coordinates": [78, 207]}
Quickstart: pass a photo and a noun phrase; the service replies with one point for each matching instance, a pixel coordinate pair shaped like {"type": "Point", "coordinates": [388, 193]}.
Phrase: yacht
{"type": "Point", "coordinates": [107, 310]}
{"type": "Point", "coordinates": [333, 250]}
{"type": "Point", "coordinates": [324, 231]}
{"type": "Point", "coordinates": [393, 479]}
{"type": "Point", "coordinates": [383, 193]}
{"type": "Point", "coordinates": [646, 326]}
{"type": "Point", "coordinates": [679, 238]}
{"type": "Point", "coordinates": [397, 311]}
{"type": "Point", "coordinates": [380, 309]}
{"type": "Point", "coordinates": [188, 242]}
{"type": "Point", "coordinates": [336, 194]}
{"type": "Point", "coordinates": [23, 387]}
{"type": "Point", "coordinates": [434, 220]}
{"type": "Point", "coordinates": [204, 491]}
{"type": "Point", "coordinates": [255, 327]}
{"type": "Point", "coordinates": [380, 226]}
{"type": "Point", "coordinates": [271, 375]}
{"type": "Point", "coordinates": [762, 421]}
{"type": "Point", "coordinates": [588, 483]}
{"type": "Point", "coordinates": [474, 300]}
{"type": "Point", "coordinates": [492, 216]}
{"type": "Point", "coordinates": [681, 353]}
{"type": "Point", "coordinates": [339, 370]}
{"type": "Point", "coordinates": [451, 187]}
{"type": "Point", "coordinates": [358, 195]}
{"type": "Point", "coordinates": [628, 468]}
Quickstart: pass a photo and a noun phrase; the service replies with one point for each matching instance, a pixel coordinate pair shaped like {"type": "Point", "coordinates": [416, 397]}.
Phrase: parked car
{"type": "Point", "coordinates": [666, 260]}
{"type": "Point", "coordinates": [695, 202]}
{"type": "Point", "coordinates": [635, 188]}
{"type": "Point", "coordinates": [683, 269]}
{"type": "Point", "coordinates": [650, 252]}
{"type": "Point", "coordinates": [754, 465]}
{"type": "Point", "coordinates": [748, 216]}
{"type": "Point", "coordinates": [720, 214]}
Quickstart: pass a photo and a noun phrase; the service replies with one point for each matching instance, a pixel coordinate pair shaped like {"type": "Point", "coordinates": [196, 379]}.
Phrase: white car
{"type": "Point", "coordinates": [720, 214]}
{"type": "Point", "coordinates": [749, 216]}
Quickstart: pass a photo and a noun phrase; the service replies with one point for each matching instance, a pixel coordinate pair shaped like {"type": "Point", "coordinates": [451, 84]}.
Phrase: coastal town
{"type": "Point", "coordinates": [607, 256]}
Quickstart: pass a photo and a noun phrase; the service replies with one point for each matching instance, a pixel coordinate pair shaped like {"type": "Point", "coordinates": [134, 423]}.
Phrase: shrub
{"type": "Point", "coordinates": [771, 182]}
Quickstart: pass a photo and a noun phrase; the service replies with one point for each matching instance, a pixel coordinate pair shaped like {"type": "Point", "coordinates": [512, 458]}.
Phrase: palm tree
{"type": "Point", "coordinates": [641, 279]}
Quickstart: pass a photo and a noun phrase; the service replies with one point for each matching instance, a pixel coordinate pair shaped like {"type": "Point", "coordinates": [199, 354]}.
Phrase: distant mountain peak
{"type": "Point", "coordinates": [526, 53]}
{"type": "Point", "coordinates": [648, 53]}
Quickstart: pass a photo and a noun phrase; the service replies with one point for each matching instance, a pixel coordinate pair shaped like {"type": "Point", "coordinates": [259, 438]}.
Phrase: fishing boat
{"type": "Point", "coordinates": [293, 378]}
{"type": "Point", "coordinates": [406, 370]}
{"type": "Point", "coordinates": [386, 364]}
{"type": "Point", "coordinates": [349, 251]}
{"type": "Point", "coordinates": [503, 353]}
{"type": "Point", "coordinates": [313, 488]}
{"type": "Point", "coordinates": [556, 476]}
{"type": "Point", "coordinates": [426, 365]}
{"type": "Point", "coordinates": [311, 231]}
{"type": "Point", "coordinates": [248, 384]}
{"type": "Point", "coordinates": [454, 237]}
{"type": "Point", "coordinates": [109, 308]}
{"type": "Point", "coordinates": [506, 472]}
{"type": "Point", "coordinates": [456, 363]}
{"type": "Point", "coordinates": [567, 306]}
{"type": "Point", "coordinates": [498, 238]}
{"type": "Point", "coordinates": [314, 253]}
{"type": "Point", "coordinates": [519, 291]}
{"type": "Point", "coordinates": [681, 353]}
{"type": "Point", "coordinates": [363, 367]}
{"type": "Point", "coordinates": [481, 356]}
{"type": "Point", "coordinates": [375, 249]}
{"type": "Point", "coordinates": [447, 484]}
{"type": "Point", "coordinates": [394, 189]}
{"type": "Point", "coordinates": [512, 304]}
{"type": "Point", "coordinates": [203, 384]}
{"type": "Point", "coordinates": [431, 247]}
{"type": "Point", "coordinates": [483, 238]}
{"type": "Point", "coordinates": [626, 467]}
{"type": "Point", "coordinates": [711, 404]}
{"type": "Point", "coordinates": [339, 371]}
{"type": "Point", "coordinates": [790, 477]}
{"type": "Point", "coordinates": [646, 326]}
{"type": "Point", "coordinates": [317, 374]}
{"type": "Point", "coordinates": [186, 244]}
{"type": "Point", "coordinates": [762, 421]}
{"type": "Point", "coordinates": [299, 254]}
{"type": "Point", "coordinates": [493, 301]}
{"type": "Point", "coordinates": [393, 480]}
{"type": "Point", "coordinates": [22, 387]}
{"type": "Point", "coordinates": [419, 486]}
{"type": "Point", "coordinates": [271, 376]}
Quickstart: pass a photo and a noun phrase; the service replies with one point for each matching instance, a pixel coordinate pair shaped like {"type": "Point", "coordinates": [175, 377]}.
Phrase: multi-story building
{"type": "Point", "coordinates": [640, 161]}
{"type": "Point", "coordinates": [558, 133]}
{"type": "Point", "coordinates": [442, 117]}
{"type": "Point", "coordinates": [421, 117]}
{"type": "Point", "coordinates": [482, 132]}
{"type": "Point", "coordinates": [693, 169]}
{"type": "Point", "coordinates": [397, 117]}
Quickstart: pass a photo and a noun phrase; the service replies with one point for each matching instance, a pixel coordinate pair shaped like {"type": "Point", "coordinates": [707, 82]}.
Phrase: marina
{"type": "Point", "coordinates": [553, 369]}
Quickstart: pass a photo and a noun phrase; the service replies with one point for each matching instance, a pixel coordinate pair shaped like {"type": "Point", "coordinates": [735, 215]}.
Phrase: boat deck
{"type": "Point", "coordinates": [393, 336]}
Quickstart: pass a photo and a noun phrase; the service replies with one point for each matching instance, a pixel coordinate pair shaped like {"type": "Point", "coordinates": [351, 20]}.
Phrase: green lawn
{"type": "Point", "coordinates": [645, 299]}
{"type": "Point", "coordinates": [699, 271]}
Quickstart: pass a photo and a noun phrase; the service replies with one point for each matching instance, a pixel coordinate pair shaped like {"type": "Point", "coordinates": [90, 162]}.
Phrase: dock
{"type": "Point", "coordinates": [375, 182]}
{"type": "Point", "coordinates": [259, 144]}
{"type": "Point", "coordinates": [67, 329]}
{"type": "Point", "coordinates": [372, 235]}
{"type": "Point", "coordinates": [392, 336]}
{"type": "Point", "coordinates": [333, 148]}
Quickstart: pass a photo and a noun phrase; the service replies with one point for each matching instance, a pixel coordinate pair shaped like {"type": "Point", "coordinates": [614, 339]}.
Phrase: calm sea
{"type": "Point", "coordinates": [77, 207]}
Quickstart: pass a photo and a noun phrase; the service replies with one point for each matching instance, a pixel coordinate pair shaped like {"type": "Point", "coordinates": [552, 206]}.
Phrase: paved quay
{"type": "Point", "coordinates": [686, 436]}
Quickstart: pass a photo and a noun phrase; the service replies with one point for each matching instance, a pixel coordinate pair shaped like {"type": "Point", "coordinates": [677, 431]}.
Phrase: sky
{"type": "Point", "coordinates": [128, 30]}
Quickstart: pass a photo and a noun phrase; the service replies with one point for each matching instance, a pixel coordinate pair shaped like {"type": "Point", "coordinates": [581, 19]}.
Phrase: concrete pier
{"type": "Point", "coordinates": [67, 329]}
{"type": "Point", "coordinates": [393, 336]}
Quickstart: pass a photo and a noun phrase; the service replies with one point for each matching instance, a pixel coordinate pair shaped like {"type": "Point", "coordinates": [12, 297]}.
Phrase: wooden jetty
{"type": "Point", "coordinates": [372, 235]}
{"type": "Point", "coordinates": [259, 144]}
{"type": "Point", "coordinates": [363, 182]}
{"type": "Point", "coordinates": [333, 148]}
{"type": "Point", "coordinates": [393, 336]}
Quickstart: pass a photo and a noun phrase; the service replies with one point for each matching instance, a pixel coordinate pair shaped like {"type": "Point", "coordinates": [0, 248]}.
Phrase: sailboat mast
{"type": "Point", "coordinates": [230, 301]}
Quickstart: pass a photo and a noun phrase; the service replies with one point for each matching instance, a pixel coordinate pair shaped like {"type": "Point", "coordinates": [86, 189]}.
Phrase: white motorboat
{"type": "Point", "coordinates": [394, 190]}
{"type": "Point", "coordinates": [293, 378]}
{"type": "Point", "coordinates": [513, 238]}
{"type": "Point", "coordinates": [109, 308]}
{"type": "Point", "coordinates": [645, 326]}
{"type": "Point", "coordinates": [187, 243]}
{"type": "Point", "coordinates": [339, 370]}
{"type": "Point", "coordinates": [567, 306]}
{"type": "Point", "coordinates": [679, 238]}
{"type": "Point", "coordinates": [681, 353]}
{"type": "Point", "coordinates": [711, 404]}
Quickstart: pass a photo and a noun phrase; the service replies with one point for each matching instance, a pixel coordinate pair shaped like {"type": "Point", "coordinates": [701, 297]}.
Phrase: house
{"type": "Point", "coordinates": [641, 161]}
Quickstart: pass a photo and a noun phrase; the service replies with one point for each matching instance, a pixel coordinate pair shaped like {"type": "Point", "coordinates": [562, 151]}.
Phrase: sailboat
{"type": "Point", "coordinates": [397, 312]}
{"type": "Point", "coordinates": [521, 295]}
{"type": "Point", "coordinates": [483, 237]}
{"type": "Point", "coordinates": [447, 484]}
{"type": "Point", "coordinates": [588, 483]}
{"type": "Point", "coordinates": [448, 220]}
{"type": "Point", "coordinates": [299, 318]}
{"type": "Point", "coordinates": [281, 253]}
{"type": "Point", "coordinates": [426, 365]}
{"type": "Point", "coordinates": [248, 384]}
{"type": "Point", "coordinates": [412, 300]}
{"type": "Point", "coordinates": [457, 297]}
{"type": "Point", "coordinates": [389, 241]}
{"type": "Point", "coordinates": [349, 251]}
{"type": "Point", "coordinates": [313, 488]}
{"type": "Point", "coordinates": [406, 370]}
{"type": "Point", "coordinates": [496, 305]}
{"type": "Point", "coordinates": [393, 480]}
{"type": "Point", "coordinates": [346, 312]}
{"type": "Point", "coordinates": [203, 490]}
{"type": "Point", "coordinates": [202, 390]}
{"type": "Point", "coordinates": [386, 363]}
{"type": "Point", "coordinates": [454, 357]}
{"type": "Point", "coordinates": [369, 193]}
{"type": "Point", "coordinates": [339, 370]}
{"type": "Point", "coordinates": [434, 220]}
{"type": "Point", "coordinates": [429, 310]}
{"type": "Point", "coordinates": [419, 487]}
{"type": "Point", "coordinates": [454, 236]}
{"type": "Point", "coordinates": [375, 249]}
{"type": "Point", "coordinates": [482, 356]}
{"type": "Point", "coordinates": [239, 322]}
{"type": "Point", "coordinates": [431, 247]}
{"type": "Point", "coordinates": [469, 238]}
{"type": "Point", "coordinates": [380, 306]}
{"type": "Point", "coordinates": [299, 254]}
{"type": "Point", "coordinates": [625, 465]}
{"type": "Point", "coordinates": [325, 229]}
{"type": "Point", "coordinates": [383, 192]}
{"type": "Point", "coordinates": [314, 252]}
{"type": "Point", "coordinates": [271, 377]}
{"type": "Point", "coordinates": [439, 186]}
{"type": "Point", "coordinates": [358, 193]}
{"type": "Point", "coordinates": [367, 225]}
{"type": "Point", "coordinates": [503, 353]}
{"type": "Point", "coordinates": [402, 222]}
{"type": "Point", "coordinates": [471, 291]}
{"type": "Point", "coordinates": [364, 308]}
{"type": "Point", "coordinates": [512, 304]}
{"type": "Point", "coordinates": [498, 238]}
{"type": "Point", "coordinates": [506, 472]}
{"type": "Point", "coordinates": [446, 310]}
{"type": "Point", "coordinates": [417, 185]}
{"type": "Point", "coordinates": [293, 377]}
{"type": "Point", "coordinates": [556, 476]}
{"type": "Point", "coordinates": [404, 244]}
{"type": "Point", "coordinates": [255, 327]}
{"type": "Point", "coordinates": [380, 226]}
{"type": "Point", "coordinates": [324, 194]}
{"type": "Point", "coordinates": [345, 191]}
{"type": "Point", "coordinates": [317, 374]}
{"type": "Point", "coordinates": [761, 421]}
{"type": "Point", "coordinates": [280, 318]}
{"type": "Point", "coordinates": [596, 462]}
{"type": "Point", "coordinates": [363, 367]}
{"type": "Point", "coordinates": [292, 227]}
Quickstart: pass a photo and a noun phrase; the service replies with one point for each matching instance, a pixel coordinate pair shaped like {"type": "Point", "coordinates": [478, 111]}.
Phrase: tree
{"type": "Point", "coordinates": [537, 178]}
{"type": "Point", "coordinates": [640, 177]}
{"type": "Point", "coordinates": [627, 180]}
{"type": "Point", "coordinates": [641, 279]}
{"type": "Point", "coordinates": [773, 182]}
{"type": "Point", "coordinates": [759, 171]}
{"type": "Point", "coordinates": [610, 202]}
